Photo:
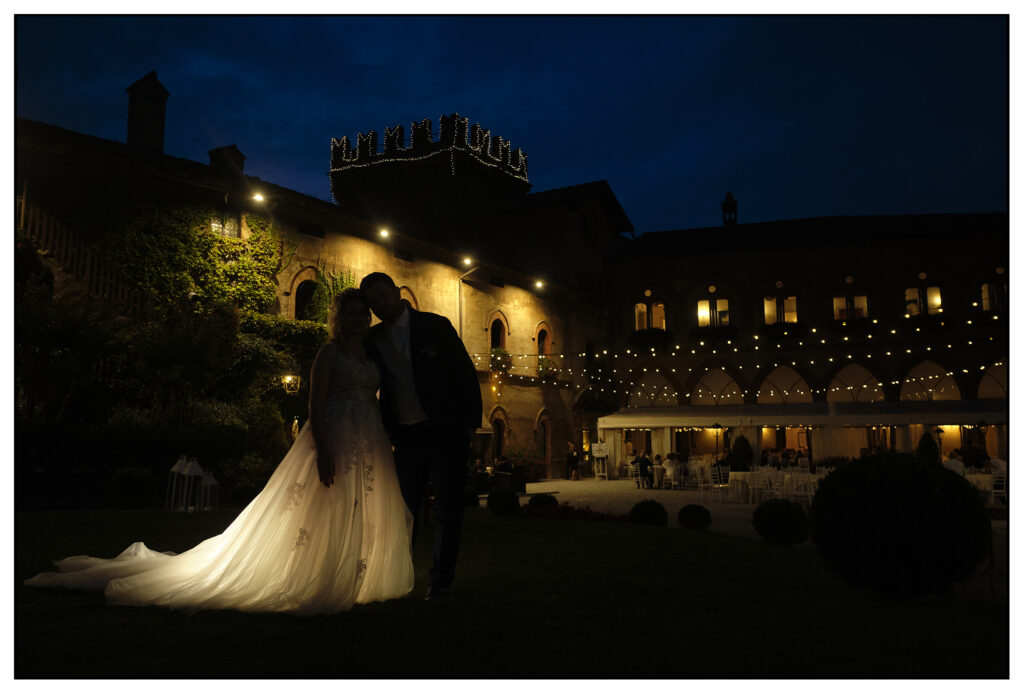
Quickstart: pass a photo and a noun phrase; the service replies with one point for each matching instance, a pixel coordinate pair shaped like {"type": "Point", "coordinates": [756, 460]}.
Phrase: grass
{"type": "Point", "coordinates": [533, 598]}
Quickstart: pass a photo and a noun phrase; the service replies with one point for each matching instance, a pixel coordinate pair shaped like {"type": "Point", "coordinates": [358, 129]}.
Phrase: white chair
{"type": "Point", "coordinates": [719, 481]}
{"type": "Point", "coordinates": [703, 481]}
{"type": "Point", "coordinates": [998, 488]}
{"type": "Point", "coordinates": [670, 479]}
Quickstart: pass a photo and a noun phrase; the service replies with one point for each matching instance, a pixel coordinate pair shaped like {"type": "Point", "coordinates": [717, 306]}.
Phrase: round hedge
{"type": "Point", "coordinates": [648, 512]}
{"type": "Point", "coordinates": [694, 517]}
{"type": "Point", "coordinates": [899, 525]}
{"type": "Point", "coordinates": [542, 500]}
{"type": "Point", "coordinates": [781, 522]}
{"type": "Point", "coordinates": [503, 502]}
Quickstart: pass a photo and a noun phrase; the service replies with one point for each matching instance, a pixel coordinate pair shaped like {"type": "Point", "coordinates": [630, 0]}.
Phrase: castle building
{"type": "Point", "coordinates": [449, 216]}
{"type": "Point", "coordinates": [832, 334]}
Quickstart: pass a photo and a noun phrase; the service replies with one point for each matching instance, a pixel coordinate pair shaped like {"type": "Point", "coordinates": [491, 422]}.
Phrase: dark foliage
{"type": "Point", "coordinates": [781, 522]}
{"type": "Point", "coordinates": [713, 334]}
{"type": "Point", "coordinates": [567, 512]}
{"type": "Point", "coordinates": [648, 512]}
{"type": "Point", "coordinates": [898, 525]}
{"type": "Point", "coordinates": [503, 502]}
{"type": "Point", "coordinates": [694, 517]}
{"type": "Point", "coordinates": [542, 500]}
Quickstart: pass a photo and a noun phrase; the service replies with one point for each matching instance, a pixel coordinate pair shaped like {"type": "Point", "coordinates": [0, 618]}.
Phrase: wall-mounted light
{"type": "Point", "coordinates": [467, 261]}
{"type": "Point", "coordinates": [384, 233]}
{"type": "Point", "coordinates": [258, 197]}
{"type": "Point", "coordinates": [539, 284]}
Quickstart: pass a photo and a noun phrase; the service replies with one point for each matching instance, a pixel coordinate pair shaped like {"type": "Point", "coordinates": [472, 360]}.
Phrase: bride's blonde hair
{"type": "Point", "coordinates": [339, 301]}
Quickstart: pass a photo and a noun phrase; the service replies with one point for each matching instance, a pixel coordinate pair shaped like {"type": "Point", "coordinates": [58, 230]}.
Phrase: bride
{"type": "Point", "coordinates": [330, 528]}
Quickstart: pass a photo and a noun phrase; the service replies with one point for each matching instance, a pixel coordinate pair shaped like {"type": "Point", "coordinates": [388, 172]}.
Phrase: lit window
{"type": "Point", "coordinates": [849, 307]}
{"type": "Point", "coordinates": [640, 317]}
{"type": "Point", "coordinates": [703, 313]}
{"type": "Point", "coordinates": [772, 309]}
{"type": "Point", "coordinates": [912, 301]}
{"type": "Point", "coordinates": [789, 309]}
{"type": "Point", "coordinates": [860, 307]}
{"type": "Point", "coordinates": [658, 315]}
{"type": "Point", "coordinates": [914, 297]}
{"type": "Point", "coordinates": [225, 225]}
{"type": "Point", "coordinates": [712, 312]}
{"type": "Point", "coordinates": [986, 297]}
{"type": "Point", "coordinates": [649, 315]}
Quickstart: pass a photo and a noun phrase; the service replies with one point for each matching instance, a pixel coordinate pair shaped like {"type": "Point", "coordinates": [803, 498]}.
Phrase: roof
{"type": "Point", "coordinates": [819, 231]}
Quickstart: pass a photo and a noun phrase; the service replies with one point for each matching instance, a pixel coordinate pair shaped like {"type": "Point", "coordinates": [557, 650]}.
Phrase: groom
{"type": "Point", "coordinates": [430, 404]}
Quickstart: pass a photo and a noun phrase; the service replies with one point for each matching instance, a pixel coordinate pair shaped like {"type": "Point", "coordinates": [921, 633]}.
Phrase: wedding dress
{"type": "Point", "coordinates": [299, 547]}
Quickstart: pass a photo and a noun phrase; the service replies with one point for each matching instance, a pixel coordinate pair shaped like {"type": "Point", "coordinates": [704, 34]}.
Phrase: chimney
{"type": "Point", "coordinates": [729, 206]}
{"type": "Point", "coordinates": [227, 160]}
{"type": "Point", "coordinates": [147, 103]}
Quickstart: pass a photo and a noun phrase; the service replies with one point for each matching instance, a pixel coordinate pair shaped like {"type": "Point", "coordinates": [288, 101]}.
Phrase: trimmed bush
{"type": "Point", "coordinates": [741, 455]}
{"type": "Point", "coordinates": [898, 525]}
{"type": "Point", "coordinates": [472, 498]}
{"type": "Point", "coordinates": [503, 502]}
{"type": "Point", "coordinates": [694, 517]}
{"type": "Point", "coordinates": [648, 512]}
{"type": "Point", "coordinates": [542, 500]}
{"type": "Point", "coordinates": [781, 522]}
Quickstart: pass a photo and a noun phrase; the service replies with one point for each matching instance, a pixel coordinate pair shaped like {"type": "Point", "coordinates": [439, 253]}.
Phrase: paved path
{"type": "Point", "coordinates": [619, 496]}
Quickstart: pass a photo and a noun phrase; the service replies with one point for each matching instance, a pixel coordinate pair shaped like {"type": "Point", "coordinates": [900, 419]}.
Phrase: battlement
{"type": "Point", "coordinates": [455, 135]}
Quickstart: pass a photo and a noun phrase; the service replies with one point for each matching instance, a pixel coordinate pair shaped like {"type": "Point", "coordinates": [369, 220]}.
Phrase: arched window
{"type": "Point", "coordinates": [854, 383]}
{"type": "Point", "coordinates": [783, 386]}
{"type": "Point", "coordinates": [994, 382]}
{"type": "Point", "coordinates": [303, 295]}
{"type": "Point", "coordinates": [499, 440]}
{"type": "Point", "coordinates": [716, 387]}
{"type": "Point", "coordinates": [542, 341]}
{"type": "Point", "coordinates": [993, 293]}
{"type": "Point", "coordinates": [652, 390]}
{"type": "Point", "coordinates": [929, 381]}
{"type": "Point", "coordinates": [497, 334]}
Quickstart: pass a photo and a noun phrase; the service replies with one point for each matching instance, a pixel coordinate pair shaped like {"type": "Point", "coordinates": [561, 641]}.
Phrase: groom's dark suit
{"type": "Point", "coordinates": [437, 449]}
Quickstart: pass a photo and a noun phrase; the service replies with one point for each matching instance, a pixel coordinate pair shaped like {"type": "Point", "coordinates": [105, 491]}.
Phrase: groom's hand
{"type": "Point", "coordinates": [325, 466]}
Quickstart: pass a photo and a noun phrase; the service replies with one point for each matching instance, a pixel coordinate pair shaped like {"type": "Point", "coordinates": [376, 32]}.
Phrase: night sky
{"type": "Point", "coordinates": [797, 116]}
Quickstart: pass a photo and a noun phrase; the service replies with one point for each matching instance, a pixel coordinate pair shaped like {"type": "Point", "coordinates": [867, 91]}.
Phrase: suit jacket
{"type": "Point", "coordinates": [446, 380]}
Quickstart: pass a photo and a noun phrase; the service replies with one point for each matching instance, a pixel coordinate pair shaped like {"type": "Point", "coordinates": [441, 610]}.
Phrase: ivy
{"type": "Point", "coordinates": [328, 284]}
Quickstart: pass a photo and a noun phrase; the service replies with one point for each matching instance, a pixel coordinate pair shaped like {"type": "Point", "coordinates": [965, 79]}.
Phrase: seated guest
{"type": "Point", "coordinates": [646, 470]}
{"type": "Point", "coordinates": [997, 466]}
{"type": "Point", "coordinates": [670, 466]}
{"type": "Point", "coordinates": [954, 463]}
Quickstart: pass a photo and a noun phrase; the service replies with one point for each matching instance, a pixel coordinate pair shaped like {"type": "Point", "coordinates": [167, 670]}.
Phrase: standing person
{"type": "Point", "coordinates": [572, 462]}
{"type": "Point", "coordinates": [330, 528]}
{"type": "Point", "coordinates": [430, 403]}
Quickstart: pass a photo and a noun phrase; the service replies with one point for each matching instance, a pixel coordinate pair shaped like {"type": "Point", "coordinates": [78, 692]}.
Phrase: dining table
{"type": "Point", "coordinates": [981, 480]}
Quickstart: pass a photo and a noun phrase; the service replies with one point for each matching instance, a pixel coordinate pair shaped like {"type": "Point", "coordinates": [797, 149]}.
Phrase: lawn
{"type": "Point", "coordinates": [533, 598]}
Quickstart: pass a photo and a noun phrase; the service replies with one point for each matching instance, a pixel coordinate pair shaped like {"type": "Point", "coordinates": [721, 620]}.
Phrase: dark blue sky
{"type": "Point", "coordinates": [799, 117]}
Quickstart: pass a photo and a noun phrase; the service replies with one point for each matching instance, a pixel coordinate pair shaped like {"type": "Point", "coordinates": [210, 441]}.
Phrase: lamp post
{"type": "Point", "coordinates": [718, 428]}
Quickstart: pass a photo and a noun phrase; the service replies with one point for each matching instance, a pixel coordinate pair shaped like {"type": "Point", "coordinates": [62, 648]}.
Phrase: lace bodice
{"type": "Point", "coordinates": [353, 380]}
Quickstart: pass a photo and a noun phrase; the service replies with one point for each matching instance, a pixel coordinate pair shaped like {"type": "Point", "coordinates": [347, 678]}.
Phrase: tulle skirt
{"type": "Point", "coordinates": [299, 547]}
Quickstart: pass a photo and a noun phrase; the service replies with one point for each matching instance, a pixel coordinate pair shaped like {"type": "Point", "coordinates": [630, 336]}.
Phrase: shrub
{"type": "Point", "coordinates": [471, 497]}
{"type": "Point", "coordinates": [503, 502]}
{"type": "Point", "coordinates": [899, 525]}
{"type": "Point", "coordinates": [542, 500]}
{"type": "Point", "coordinates": [694, 517]}
{"type": "Point", "coordinates": [501, 360]}
{"type": "Point", "coordinates": [781, 522]}
{"type": "Point", "coordinates": [648, 512]}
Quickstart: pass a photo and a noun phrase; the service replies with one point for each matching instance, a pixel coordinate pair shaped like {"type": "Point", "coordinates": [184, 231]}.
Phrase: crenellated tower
{"type": "Point", "coordinates": [463, 167]}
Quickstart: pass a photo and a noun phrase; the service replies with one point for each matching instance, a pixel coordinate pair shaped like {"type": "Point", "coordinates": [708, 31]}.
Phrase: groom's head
{"type": "Point", "coordinates": [384, 297]}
